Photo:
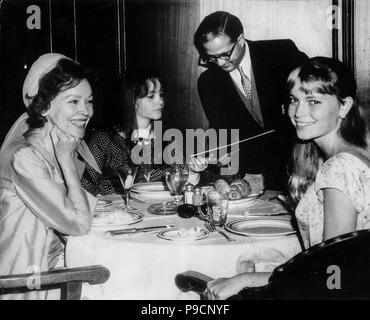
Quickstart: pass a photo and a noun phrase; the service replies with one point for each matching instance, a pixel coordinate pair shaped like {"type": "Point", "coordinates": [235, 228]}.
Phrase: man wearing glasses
{"type": "Point", "coordinates": [244, 88]}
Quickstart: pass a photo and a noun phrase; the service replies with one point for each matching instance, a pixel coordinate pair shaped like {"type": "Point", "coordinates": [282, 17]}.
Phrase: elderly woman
{"type": "Point", "coordinates": [114, 148]}
{"type": "Point", "coordinates": [330, 180]}
{"type": "Point", "coordinates": [42, 199]}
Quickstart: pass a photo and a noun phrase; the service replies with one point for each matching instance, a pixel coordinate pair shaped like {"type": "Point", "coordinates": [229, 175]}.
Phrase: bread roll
{"type": "Point", "coordinates": [239, 189]}
{"type": "Point", "coordinates": [235, 193]}
{"type": "Point", "coordinates": [222, 186]}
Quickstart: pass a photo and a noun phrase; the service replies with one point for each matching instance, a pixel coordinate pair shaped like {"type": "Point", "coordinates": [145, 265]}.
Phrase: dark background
{"type": "Point", "coordinates": [87, 31]}
{"type": "Point", "coordinates": [108, 36]}
{"type": "Point", "coordinates": [113, 36]}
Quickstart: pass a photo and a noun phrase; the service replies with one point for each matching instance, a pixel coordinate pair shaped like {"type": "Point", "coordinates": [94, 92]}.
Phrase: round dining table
{"type": "Point", "coordinates": [143, 266]}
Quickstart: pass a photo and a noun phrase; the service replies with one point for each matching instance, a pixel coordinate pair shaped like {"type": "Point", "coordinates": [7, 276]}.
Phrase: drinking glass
{"type": "Point", "coordinates": [217, 205]}
{"type": "Point", "coordinates": [176, 180]}
{"type": "Point", "coordinates": [127, 177]}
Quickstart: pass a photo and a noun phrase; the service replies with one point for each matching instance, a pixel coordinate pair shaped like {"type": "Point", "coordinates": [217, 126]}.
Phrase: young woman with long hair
{"type": "Point", "coordinates": [330, 169]}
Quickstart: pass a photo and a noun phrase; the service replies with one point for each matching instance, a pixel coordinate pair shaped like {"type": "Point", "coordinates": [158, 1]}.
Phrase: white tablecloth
{"type": "Point", "coordinates": [144, 266]}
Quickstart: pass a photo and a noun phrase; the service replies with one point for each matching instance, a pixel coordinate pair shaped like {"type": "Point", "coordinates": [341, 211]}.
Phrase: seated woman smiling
{"type": "Point", "coordinates": [115, 148]}
{"type": "Point", "coordinates": [330, 180]}
{"type": "Point", "coordinates": [42, 198]}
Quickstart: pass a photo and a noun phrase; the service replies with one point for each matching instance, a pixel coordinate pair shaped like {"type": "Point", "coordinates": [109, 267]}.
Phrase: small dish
{"type": "Point", "coordinates": [116, 218]}
{"type": "Point", "coordinates": [162, 209]}
{"type": "Point", "coordinates": [183, 235]}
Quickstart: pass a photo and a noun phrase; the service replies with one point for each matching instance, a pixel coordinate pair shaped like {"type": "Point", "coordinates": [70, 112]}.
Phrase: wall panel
{"type": "Point", "coordinates": [362, 45]}
{"type": "Point", "coordinates": [179, 62]}
{"type": "Point", "coordinates": [303, 21]}
{"type": "Point", "coordinates": [19, 48]}
{"type": "Point", "coordinates": [86, 30]}
{"type": "Point", "coordinates": [160, 35]}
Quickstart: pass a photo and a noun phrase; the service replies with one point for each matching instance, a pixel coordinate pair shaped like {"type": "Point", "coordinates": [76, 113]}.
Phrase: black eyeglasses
{"type": "Point", "coordinates": [205, 60]}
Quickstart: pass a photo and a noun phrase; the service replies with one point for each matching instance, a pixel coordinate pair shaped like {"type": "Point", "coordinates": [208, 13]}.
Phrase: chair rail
{"type": "Point", "coordinates": [68, 279]}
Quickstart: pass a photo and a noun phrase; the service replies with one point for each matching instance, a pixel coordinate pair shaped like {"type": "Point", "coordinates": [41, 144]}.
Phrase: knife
{"type": "Point", "coordinates": [136, 230]}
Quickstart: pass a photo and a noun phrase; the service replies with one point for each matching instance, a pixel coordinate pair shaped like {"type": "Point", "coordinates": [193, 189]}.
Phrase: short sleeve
{"type": "Point", "coordinates": [341, 172]}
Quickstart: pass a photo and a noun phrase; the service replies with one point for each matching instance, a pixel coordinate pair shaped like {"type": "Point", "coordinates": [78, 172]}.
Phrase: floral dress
{"type": "Point", "coordinates": [346, 173]}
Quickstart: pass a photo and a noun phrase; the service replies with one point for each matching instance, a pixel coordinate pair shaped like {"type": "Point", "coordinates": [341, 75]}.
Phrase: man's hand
{"type": "Point", "coordinates": [224, 160]}
{"type": "Point", "coordinates": [223, 288]}
{"type": "Point", "coordinates": [198, 164]}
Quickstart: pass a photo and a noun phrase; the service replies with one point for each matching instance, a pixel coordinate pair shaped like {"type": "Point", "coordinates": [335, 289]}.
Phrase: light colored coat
{"type": "Point", "coordinates": [33, 206]}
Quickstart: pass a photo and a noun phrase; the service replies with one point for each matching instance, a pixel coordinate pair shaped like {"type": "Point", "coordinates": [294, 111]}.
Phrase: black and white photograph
{"type": "Point", "coordinates": [184, 150]}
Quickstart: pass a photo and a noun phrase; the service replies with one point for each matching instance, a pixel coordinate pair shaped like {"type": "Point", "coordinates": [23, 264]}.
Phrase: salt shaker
{"type": "Point", "coordinates": [188, 194]}
{"type": "Point", "coordinates": [197, 197]}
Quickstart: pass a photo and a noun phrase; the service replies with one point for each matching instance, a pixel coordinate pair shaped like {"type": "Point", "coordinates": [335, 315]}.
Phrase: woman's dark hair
{"type": "Point", "coordinates": [219, 22]}
{"type": "Point", "coordinates": [135, 86]}
{"type": "Point", "coordinates": [65, 75]}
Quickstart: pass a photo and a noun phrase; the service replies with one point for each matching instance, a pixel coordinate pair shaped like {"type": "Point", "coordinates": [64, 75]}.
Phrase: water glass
{"type": "Point", "coordinates": [127, 178]}
{"type": "Point", "coordinates": [218, 205]}
{"type": "Point", "coordinates": [176, 180]}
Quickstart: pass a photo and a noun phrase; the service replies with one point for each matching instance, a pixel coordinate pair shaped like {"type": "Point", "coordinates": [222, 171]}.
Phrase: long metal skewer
{"type": "Point", "coordinates": [231, 144]}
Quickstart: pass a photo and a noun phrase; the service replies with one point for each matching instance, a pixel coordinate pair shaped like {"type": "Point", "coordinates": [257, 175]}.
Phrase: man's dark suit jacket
{"type": "Point", "coordinates": [272, 61]}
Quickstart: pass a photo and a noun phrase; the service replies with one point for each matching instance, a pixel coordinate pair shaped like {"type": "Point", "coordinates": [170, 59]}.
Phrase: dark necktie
{"type": "Point", "coordinates": [247, 90]}
{"type": "Point", "coordinates": [246, 84]}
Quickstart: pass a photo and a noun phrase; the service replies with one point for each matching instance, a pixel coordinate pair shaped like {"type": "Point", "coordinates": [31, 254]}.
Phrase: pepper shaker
{"type": "Point", "coordinates": [188, 194]}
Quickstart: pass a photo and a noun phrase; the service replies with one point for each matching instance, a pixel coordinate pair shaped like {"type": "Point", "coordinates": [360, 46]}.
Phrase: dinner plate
{"type": "Point", "coordinates": [260, 227]}
{"type": "Point", "coordinates": [152, 198]}
{"type": "Point", "coordinates": [149, 187]}
{"type": "Point", "coordinates": [149, 192]}
{"type": "Point", "coordinates": [183, 235]}
{"type": "Point", "coordinates": [244, 202]}
{"type": "Point", "coordinates": [115, 218]}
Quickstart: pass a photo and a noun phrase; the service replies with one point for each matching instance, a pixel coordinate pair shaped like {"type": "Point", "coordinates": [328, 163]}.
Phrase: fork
{"type": "Point", "coordinates": [212, 228]}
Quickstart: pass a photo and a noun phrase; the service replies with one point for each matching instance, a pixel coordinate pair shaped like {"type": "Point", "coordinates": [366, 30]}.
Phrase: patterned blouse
{"type": "Point", "coordinates": [346, 173]}
{"type": "Point", "coordinates": [112, 150]}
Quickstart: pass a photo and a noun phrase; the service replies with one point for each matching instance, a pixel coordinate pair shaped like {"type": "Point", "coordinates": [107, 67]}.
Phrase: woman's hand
{"type": "Point", "coordinates": [223, 288]}
{"type": "Point", "coordinates": [198, 164]}
{"type": "Point", "coordinates": [64, 144]}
